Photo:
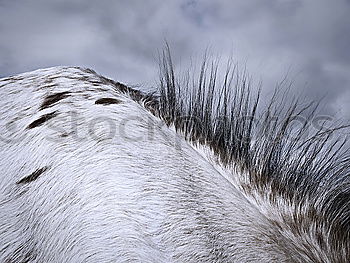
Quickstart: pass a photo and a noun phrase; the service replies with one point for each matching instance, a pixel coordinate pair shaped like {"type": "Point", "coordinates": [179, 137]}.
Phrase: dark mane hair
{"type": "Point", "coordinates": [309, 170]}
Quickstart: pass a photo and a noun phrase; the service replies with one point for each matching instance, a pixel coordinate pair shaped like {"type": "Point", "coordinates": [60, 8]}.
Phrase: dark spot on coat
{"type": "Point", "coordinates": [33, 176]}
{"type": "Point", "coordinates": [23, 254]}
{"type": "Point", "coordinates": [41, 120]}
{"type": "Point", "coordinates": [53, 98]}
{"type": "Point", "coordinates": [107, 101]}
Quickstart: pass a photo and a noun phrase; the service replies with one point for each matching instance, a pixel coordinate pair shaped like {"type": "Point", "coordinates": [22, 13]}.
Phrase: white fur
{"type": "Point", "coordinates": [136, 193]}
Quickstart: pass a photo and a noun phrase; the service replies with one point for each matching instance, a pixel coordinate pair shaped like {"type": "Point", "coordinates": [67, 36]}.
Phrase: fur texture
{"type": "Point", "coordinates": [94, 171]}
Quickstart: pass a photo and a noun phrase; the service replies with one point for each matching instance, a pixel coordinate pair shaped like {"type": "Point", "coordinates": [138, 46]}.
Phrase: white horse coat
{"type": "Point", "coordinates": [89, 174]}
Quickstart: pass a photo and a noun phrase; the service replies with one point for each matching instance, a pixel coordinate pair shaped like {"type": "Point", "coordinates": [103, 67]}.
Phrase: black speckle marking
{"type": "Point", "coordinates": [41, 120]}
{"type": "Point", "coordinates": [53, 98]}
{"type": "Point", "coordinates": [107, 101]}
{"type": "Point", "coordinates": [33, 176]}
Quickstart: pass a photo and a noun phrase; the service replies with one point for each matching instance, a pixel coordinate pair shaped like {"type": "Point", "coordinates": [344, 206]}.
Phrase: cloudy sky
{"type": "Point", "coordinates": [307, 39]}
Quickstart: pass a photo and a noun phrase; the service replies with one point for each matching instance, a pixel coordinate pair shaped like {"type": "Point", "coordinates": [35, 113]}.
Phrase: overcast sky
{"type": "Point", "coordinates": [308, 39]}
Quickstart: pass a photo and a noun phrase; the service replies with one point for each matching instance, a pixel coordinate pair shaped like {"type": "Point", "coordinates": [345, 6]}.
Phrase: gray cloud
{"type": "Point", "coordinates": [120, 39]}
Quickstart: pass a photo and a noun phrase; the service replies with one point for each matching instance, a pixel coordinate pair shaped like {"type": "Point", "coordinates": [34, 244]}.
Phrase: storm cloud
{"type": "Point", "coordinates": [307, 39]}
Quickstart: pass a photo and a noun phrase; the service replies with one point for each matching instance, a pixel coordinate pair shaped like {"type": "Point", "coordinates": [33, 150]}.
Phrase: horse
{"type": "Point", "coordinates": [95, 171]}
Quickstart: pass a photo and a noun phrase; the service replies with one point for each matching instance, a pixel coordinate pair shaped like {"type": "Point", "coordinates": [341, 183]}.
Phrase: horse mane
{"type": "Point", "coordinates": [280, 162]}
